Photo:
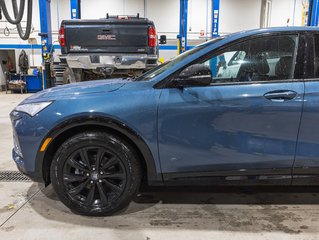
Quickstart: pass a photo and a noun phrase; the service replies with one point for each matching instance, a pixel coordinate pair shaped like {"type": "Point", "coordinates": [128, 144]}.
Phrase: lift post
{"type": "Point", "coordinates": [313, 13]}
{"type": "Point", "coordinates": [215, 18]}
{"type": "Point", "coordinates": [182, 36]}
{"type": "Point", "coordinates": [75, 9]}
{"type": "Point", "coordinates": [46, 40]}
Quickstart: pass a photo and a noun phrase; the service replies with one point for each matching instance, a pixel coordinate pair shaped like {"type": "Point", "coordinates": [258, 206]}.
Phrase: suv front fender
{"type": "Point", "coordinates": [61, 131]}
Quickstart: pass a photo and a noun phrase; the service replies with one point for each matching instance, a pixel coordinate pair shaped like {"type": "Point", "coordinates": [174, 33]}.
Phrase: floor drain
{"type": "Point", "coordinates": [13, 176]}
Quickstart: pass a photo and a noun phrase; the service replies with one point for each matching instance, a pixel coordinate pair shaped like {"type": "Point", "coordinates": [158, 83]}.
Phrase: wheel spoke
{"type": "Point", "coordinates": [74, 177]}
{"type": "Point", "coordinates": [76, 165]}
{"type": "Point", "coordinates": [103, 196]}
{"type": "Point", "coordinates": [111, 162]}
{"type": "Point", "coordinates": [76, 190]}
{"type": "Point", "coordinates": [112, 186]}
{"type": "Point", "coordinates": [85, 157]}
{"type": "Point", "coordinates": [99, 157]}
{"type": "Point", "coordinates": [120, 176]}
{"type": "Point", "coordinates": [90, 198]}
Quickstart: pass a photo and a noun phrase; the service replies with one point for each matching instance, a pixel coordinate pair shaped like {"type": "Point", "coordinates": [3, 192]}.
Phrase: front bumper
{"type": "Point", "coordinates": [114, 61]}
{"type": "Point", "coordinates": [27, 140]}
{"type": "Point", "coordinates": [35, 175]}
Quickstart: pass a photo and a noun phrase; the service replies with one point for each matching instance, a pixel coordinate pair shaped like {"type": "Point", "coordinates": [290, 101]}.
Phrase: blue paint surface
{"type": "Point", "coordinates": [195, 129]}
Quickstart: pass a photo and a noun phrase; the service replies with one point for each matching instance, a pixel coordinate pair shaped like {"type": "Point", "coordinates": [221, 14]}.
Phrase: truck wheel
{"type": "Point", "coordinates": [95, 173]}
{"type": "Point", "coordinates": [78, 74]}
{"type": "Point", "coordinates": [72, 75]}
{"type": "Point", "coordinates": [68, 76]}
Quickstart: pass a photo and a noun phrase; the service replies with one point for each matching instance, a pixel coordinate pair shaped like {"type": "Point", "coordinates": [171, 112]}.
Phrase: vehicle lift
{"type": "Point", "coordinates": [313, 13]}
{"type": "Point", "coordinates": [47, 47]}
{"type": "Point", "coordinates": [182, 45]}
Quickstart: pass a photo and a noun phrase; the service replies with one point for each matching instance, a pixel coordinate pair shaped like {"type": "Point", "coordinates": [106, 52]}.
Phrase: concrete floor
{"type": "Point", "coordinates": [30, 211]}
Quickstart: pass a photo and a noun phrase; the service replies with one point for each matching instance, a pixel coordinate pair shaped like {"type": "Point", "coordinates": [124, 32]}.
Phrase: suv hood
{"type": "Point", "coordinates": [81, 88]}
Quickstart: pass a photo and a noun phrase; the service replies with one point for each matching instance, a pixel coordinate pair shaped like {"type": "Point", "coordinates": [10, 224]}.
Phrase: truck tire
{"type": "Point", "coordinates": [78, 74]}
{"type": "Point", "coordinates": [68, 76]}
{"type": "Point", "coordinates": [95, 173]}
{"type": "Point", "coordinates": [72, 75]}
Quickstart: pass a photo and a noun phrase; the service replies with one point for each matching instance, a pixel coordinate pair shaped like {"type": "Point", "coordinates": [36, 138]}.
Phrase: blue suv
{"type": "Point", "coordinates": [240, 109]}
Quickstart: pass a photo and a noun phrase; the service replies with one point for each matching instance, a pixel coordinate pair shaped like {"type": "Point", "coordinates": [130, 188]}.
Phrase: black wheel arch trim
{"type": "Point", "coordinates": [153, 177]}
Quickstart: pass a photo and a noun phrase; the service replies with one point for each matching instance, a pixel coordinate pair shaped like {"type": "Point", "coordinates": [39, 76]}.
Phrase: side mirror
{"type": "Point", "coordinates": [162, 39]}
{"type": "Point", "coordinates": [194, 75]}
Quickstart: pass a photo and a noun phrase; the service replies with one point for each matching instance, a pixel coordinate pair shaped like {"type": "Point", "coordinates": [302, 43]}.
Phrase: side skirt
{"type": "Point", "coordinates": [205, 178]}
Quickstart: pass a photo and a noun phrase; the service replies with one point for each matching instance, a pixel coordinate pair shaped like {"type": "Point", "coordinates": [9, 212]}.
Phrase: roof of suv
{"type": "Point", "coordinates": [276, 29]}
{"type": "Point", "coordinates": [237, 35]}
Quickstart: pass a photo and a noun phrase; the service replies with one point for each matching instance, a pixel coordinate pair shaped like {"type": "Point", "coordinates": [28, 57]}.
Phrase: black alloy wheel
{"type": "Point", "coordinates": [95, 173]}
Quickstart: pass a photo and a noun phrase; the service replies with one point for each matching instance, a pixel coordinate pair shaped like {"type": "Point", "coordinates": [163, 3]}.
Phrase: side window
{"type": "Point", "coordinates": [259, 59]}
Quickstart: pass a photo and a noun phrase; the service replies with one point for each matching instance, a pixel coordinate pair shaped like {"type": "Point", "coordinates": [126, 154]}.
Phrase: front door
{"type": "Point", "coordinates": [244, 125]}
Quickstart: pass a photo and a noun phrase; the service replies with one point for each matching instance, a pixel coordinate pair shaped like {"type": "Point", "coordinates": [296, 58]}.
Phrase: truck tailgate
{"type": "Point", "coordinates": [111, 37]}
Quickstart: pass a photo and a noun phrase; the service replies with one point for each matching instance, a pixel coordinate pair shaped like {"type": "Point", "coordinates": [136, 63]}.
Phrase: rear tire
{"type": "Point", "coordinates": [95, 173]}
{"type": "Point", "coordinates": [68, 76]}
{"type": "Point", "coordinates": [72, 75]}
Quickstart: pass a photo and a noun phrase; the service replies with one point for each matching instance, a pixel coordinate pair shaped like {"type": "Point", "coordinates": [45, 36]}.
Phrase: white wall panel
{"type": "Point", "coordinates": [99, 8]}
{"type": "Point", "coordinates": [283, 10]}
{"type": "Point", "coordinates": [235, 15]}
{"type": "Point", "coordinates": [60, 10]}
{"type": "Point", "coordinates": [165, 14]}
{"type": "Point", "coordinates": [132, 7]}
{"type": "Point", "coordinates": [199, 16]}
{"type": "Point", "coordinates": [238, 15]}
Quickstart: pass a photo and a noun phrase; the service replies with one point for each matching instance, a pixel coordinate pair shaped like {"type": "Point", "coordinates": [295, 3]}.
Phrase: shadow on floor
{"type": "Point", "coordinates": [230, 195]}
{"type": "Point", "coordinates": [284, 209]}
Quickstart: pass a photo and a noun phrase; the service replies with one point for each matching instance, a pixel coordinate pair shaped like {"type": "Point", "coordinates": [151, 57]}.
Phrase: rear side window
{"type": "Point", "coordinates": [268, 58]}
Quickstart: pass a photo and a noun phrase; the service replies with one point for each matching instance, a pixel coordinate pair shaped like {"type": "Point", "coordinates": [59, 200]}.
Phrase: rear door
{"type": "Point", "coordinates": [244, 126]}
{"type": "Point", "coordinates": [306, 167]}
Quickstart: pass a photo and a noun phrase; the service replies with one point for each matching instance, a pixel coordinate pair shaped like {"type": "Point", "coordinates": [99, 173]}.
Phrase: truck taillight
{"type": "Point", "coordinates": [62, 36]}
{"type": "Point", "coordinates": [152, 40]}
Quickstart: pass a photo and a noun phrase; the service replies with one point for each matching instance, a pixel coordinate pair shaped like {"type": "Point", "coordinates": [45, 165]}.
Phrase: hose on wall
{"type": "Point", "coordinates": [18, 14]}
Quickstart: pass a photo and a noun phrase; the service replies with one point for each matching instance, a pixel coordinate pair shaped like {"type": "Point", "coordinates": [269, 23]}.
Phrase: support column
{"type": "Point", "coordinates": [75, 9]}
{"type": "Point", "coordinates": [182, 37]}
{"type": "Point", "coordinates": [313, 13]}
{"type": "Point", "coordinates": [215, 18]}
{"type": "Point", "coordinates": [46, 38]}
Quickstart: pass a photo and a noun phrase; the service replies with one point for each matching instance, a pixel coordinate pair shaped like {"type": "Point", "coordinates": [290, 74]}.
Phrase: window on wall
{"type": "Point", "coordinates": [259, 59]}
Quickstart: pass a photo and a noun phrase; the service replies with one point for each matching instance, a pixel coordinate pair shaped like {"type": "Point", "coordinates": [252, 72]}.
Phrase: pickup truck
{"type": "Point", "coordinates": [113, 46]}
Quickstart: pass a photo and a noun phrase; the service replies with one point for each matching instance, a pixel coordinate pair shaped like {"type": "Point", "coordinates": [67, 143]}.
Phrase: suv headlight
{"type": "Point", "coordinates": [32, 108]}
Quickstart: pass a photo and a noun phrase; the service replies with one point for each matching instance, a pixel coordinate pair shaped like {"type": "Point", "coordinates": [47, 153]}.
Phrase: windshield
{"type": "Point", "coordinates": [161, 68]}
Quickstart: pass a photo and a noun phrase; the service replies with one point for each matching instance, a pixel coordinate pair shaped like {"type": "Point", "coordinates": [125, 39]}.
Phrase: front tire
{"type": "Point", "coordinates": [95, 173]}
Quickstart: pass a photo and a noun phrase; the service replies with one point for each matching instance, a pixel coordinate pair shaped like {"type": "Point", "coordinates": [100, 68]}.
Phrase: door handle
{"type": "Point", "coordinates": [280, 95]}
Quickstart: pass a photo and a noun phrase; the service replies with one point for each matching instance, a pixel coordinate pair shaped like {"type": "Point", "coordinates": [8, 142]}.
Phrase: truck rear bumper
{"type": "Point", "coordinates": [115, 61]}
